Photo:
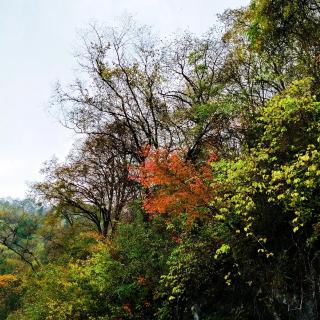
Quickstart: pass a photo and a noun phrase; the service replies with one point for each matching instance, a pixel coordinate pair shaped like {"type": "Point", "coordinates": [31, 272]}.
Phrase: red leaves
{"type": "Point", "coordinates": [127, 309]}
{"type": "Point", "coordinates": [141, 280]}
{"type": "Point", "coordinates": [173, 185]}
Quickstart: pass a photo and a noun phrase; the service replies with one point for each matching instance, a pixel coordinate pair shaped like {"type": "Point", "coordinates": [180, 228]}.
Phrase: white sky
{"type": "Point", "coordinates": [37, 41]}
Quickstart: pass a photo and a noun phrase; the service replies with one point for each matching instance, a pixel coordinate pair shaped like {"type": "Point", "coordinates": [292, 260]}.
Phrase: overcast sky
{"type": "Point", "coordinates": [37, 41]}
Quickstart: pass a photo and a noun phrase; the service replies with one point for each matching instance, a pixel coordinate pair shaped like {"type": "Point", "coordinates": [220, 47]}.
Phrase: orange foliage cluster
{"type": "Point", "coordinates": [6, 280]}
{"type": "Point", "coordinates": [127, 309]}
{"type": "Point", "coordinates": [142, 280]}
{"type": "Point", "coordinates": [173, 185]}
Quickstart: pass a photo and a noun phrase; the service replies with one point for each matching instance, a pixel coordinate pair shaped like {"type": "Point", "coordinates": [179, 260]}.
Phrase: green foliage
{"type": "Point", "coordinates": [289, 27]}
{"type": "Point", "coordinates": [278, 20]}
{"type": "Point", "coordinates": [269, 198]}
{"type": "Point", "coordinates": [119, 279]}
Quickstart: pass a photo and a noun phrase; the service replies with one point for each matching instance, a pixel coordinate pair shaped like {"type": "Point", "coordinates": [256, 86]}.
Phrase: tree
{"type": "Point", "coordinates": [18, 234]}
{"type": "Point", "coordinates": [162, 95]}
{"type": "Point", "coordinates": [279, 26]}
{"type": "Point", "coordinates": [120, 280]}
{"type": "Point", "coordinates": [93, 184]}
{"type": "Point", "coordinates": [9, 294]}
{"type": "Point", "coordinates": [173, 185]}
{"type": "Point", "coordinates": [268, 204]}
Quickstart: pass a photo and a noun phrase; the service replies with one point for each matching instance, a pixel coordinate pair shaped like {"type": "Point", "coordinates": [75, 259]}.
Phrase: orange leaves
{"type": "Point", "coordinates": [173, 185]}
{"type": "Point", "coordinates": [6, 280]}
{"type": "Point", "coordinates": [127, 309]}
{"type": "Point", "coordinates": [141, 280]}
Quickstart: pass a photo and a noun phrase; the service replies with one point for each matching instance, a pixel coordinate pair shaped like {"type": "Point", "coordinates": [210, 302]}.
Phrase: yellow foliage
{"type": "Point", "coordinates": [6, 280]}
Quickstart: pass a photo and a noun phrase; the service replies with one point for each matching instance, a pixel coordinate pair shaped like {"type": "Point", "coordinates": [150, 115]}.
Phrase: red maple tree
{"type": "Point", "coordinates": [173, 185]}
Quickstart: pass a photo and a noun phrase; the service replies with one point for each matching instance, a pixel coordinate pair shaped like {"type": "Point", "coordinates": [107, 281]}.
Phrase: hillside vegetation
{"type": "Point", "coordinates": [194, 192]}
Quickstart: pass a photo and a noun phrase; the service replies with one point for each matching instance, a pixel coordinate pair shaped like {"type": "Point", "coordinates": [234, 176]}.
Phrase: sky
{"type": "Point", "coordinates": [38, 40]}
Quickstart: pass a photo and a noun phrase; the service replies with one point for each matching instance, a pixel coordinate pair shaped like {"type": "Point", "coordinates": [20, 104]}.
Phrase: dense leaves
{"type": "Point", "coordinates": [172, 184]}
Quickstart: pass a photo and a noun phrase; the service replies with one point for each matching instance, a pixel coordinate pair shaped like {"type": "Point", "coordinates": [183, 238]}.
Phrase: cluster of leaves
{"type": "Point", "coordinates": [173, 185]}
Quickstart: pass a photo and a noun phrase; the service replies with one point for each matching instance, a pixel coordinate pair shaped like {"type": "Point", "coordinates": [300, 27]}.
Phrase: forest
{"type": "Point", "coordinates": [193, 189]}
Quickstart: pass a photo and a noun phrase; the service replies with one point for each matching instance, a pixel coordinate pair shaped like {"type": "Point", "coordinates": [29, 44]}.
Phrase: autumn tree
{"type": "Point", "coordinates": [173, 185]}
{"type": "Point", "coordinates": [92, 183]}
{"type": "Point", "coordinates": [9, 294]}
{"type": "Point", "coordinates": [162, 94]}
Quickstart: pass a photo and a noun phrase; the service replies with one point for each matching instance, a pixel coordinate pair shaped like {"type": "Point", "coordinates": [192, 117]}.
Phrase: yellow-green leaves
{"type": "Point", "coordinates": [224, 248]}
